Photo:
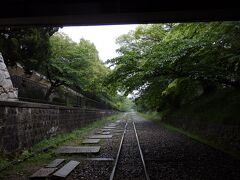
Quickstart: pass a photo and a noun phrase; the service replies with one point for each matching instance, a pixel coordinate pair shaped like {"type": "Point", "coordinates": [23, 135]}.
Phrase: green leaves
{"type": "Point", "coordinates": [28, 46]}
{"type": "Point", "coordinates": [74, 64]}
{"type": "Point", "coordinates": [160, 53]}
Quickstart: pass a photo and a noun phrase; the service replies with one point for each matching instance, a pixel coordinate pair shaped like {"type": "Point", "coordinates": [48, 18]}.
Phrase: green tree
{"type": "Point", "coordinates": [28, 46]}
{"type": "Point", "coordinates": [66, 65]}
{"type": "Point", "coordinates": [76, 65]}
{"type": "Point", "coordinates": [154, 56]}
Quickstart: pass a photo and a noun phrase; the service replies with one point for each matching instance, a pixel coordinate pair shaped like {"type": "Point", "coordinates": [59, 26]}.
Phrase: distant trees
{"type": "Point", "coordinates": [164, 62]}
{"type": "Point", "coordinates": [78, 65]}
{"type": "Point", "coordinates": [61, 60]}
{"type": "Point", "coordinates": [73, 64]}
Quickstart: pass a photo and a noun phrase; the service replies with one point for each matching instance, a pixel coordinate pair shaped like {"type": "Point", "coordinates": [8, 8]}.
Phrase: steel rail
{"type": "Point", "coordinates": [140, 150]}
{"type": "Point", "coordinates": [118, 154]}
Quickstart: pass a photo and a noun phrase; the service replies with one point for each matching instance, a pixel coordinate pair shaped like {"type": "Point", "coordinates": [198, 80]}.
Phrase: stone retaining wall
{"type": "Point", "coordinates": [23, 124]}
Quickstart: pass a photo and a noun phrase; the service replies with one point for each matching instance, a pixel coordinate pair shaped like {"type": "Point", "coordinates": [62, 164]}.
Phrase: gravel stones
{"type": "Point", "coordinates": [130, 165]}
{"type": "Point", "coordinates": [168, 155]}
{"type": "Point", "coordinates": [171, 155]}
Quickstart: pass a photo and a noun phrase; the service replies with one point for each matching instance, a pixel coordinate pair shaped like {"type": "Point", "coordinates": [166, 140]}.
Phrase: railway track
{"type": "Point", "coordinates": [121, 157]}
{"type": "Point", "coordinates": [141, 154]}
{"type": "Point", "coordinates": [129, 161]}
{"type": "Point", "coordinates": [114, 172]}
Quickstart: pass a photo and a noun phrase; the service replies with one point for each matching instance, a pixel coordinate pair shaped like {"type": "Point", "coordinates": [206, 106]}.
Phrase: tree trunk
{"type": "Point", "coordinates": [49, 92]}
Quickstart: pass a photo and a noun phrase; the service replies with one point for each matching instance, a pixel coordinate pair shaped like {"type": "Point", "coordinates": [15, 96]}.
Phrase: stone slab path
{"type": "Point", "coordinates": [55, 163]}
{"type": "Point", "coordinates": [100, 136]}
{"type": "Point", "coordinates": [91, 141]}
{"type": "Point", "coordinates": [105, 133]}
{"type": "Point", "coordinates": [43, 173]}
{"type": "Point", "coordinates": [78, 149]}
{"type": "Point", "coordinates": [109, 127]}
{"type": "Point", "coordinates": [167, 154]}
{"type": "Point", "coordinates": [66, 169]}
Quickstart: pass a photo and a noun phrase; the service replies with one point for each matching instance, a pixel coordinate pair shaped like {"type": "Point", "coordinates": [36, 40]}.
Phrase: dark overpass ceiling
{"type": "Point", "coordinates": [96, 12]}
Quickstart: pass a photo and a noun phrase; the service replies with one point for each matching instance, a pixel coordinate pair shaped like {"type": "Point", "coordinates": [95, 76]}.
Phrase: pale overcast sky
{"type": "Point", "coordinates": [102, 36]}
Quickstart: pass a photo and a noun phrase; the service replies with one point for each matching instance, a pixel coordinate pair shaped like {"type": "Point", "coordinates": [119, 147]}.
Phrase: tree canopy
{"type": "Point", "coordinates": [73, 64]}
{"type": "Point", "coordinates": [28, 46]}
{"type": "Point", "coordinates": [161, 61]}
{"type": "Point", "coordinates": [59, 58]}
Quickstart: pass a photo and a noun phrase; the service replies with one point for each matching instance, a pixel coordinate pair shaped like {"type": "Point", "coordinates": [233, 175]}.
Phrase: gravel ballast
{"type": "Point", "coordinates": [170, 155]}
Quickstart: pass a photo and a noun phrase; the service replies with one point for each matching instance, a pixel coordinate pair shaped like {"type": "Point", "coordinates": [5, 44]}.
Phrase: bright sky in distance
{"type": "Point", "coordinates": [103, 37]}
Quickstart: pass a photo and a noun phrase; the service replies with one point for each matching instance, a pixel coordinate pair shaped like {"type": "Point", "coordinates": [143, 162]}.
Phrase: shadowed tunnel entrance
{"type": "Point", "coordinates": [94, 12]}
